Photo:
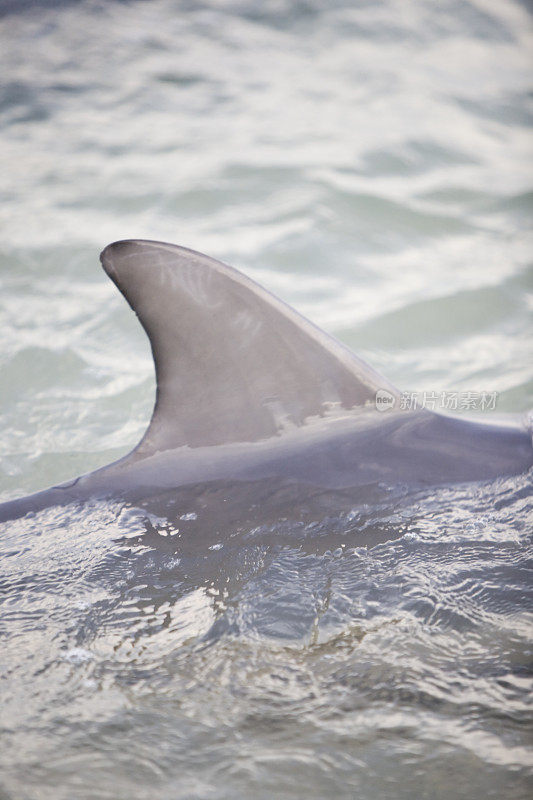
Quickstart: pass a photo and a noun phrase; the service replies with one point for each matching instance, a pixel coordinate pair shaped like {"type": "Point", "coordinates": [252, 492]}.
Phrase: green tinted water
{"type": "Point", "coordinates": [370, 164]}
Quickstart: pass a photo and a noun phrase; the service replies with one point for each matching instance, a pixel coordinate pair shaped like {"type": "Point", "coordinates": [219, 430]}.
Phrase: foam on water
{"type": "Point", "coordinates": [366, 162]}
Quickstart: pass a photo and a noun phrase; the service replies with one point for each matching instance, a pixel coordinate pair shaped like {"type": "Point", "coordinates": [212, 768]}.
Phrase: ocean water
{"type": "Point", "coordinates": [370, 163]}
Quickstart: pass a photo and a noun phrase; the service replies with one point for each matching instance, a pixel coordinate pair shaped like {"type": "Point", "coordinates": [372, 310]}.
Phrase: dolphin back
{"type": "Point", "coordinates": [247, 389]}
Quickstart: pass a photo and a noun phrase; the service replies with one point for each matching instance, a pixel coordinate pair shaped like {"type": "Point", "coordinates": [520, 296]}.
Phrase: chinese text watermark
{"type": "Point", "coordinates": [437, 401]}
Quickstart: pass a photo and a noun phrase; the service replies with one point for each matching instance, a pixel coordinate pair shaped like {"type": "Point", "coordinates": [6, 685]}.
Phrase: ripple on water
{"type": "Point", "coordinates": [366, 162]}
{"type": "Point", "coordinates": [389, 655]}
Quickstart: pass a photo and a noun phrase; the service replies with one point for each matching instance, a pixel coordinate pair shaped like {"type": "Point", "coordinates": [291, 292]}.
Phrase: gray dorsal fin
{"type": "Point", "coordinates": [233, 363]}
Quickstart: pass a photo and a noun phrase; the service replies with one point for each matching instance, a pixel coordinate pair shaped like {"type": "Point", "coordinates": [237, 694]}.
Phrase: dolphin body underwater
{"type": "Point", "coordinates": [249, 391]}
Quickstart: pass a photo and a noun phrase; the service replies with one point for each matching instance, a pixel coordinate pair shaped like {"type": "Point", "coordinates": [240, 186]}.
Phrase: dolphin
{"type": "Point", "coordinates": [249, 391]}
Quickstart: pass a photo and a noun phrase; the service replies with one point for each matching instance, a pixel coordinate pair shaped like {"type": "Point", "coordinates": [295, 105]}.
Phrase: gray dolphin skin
{"type": "Point", "coordinates": [248, 391]}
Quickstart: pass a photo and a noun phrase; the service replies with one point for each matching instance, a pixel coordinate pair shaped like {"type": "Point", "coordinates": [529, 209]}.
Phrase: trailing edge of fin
{"type": "Point", "coordinates": [233, 363]}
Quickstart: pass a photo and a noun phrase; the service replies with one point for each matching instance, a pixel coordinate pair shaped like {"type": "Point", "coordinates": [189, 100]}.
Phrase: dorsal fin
{"type": "Point", "coordinates": [233, 363]}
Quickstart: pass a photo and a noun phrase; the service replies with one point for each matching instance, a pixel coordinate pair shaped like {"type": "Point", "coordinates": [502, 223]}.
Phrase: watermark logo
{"type": "Point", "coordinates": [384, 400]}
{"type": "Point", "coordinates": [437, 401]}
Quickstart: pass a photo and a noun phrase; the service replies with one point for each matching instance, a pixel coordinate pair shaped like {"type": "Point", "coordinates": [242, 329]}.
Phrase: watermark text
{"type": "Point", "coordinates": [437, 401]}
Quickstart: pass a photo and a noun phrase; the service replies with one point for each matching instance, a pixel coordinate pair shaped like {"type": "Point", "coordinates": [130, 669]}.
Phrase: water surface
{"type": "Point", "coordinates": [368, 162]}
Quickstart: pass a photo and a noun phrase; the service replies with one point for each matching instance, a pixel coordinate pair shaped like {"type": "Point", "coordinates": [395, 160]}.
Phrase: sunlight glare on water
{"type": "Point", "coordinates": [367, 162]}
